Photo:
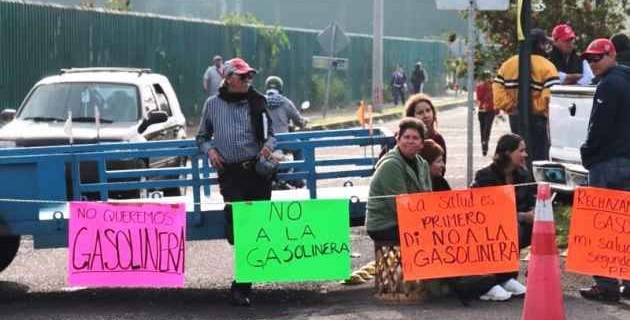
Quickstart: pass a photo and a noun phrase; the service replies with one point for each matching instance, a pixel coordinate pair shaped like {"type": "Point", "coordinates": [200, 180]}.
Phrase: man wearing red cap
{"type": "Point", "coordinates": [235, 132]}
{"type": "Point", "coordinates": [563, 55]}
{"type": "Point", "coordinates": [606, 151]}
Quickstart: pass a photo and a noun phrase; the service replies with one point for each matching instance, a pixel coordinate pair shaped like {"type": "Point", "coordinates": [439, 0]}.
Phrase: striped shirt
{"type": "Point", "coordinates": [227, 127]}
{"type": "Point", "coordinates": [505, 85]}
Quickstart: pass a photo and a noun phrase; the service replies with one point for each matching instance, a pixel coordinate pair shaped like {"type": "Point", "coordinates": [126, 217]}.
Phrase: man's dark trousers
{"type": "Point", "coordinates": [538, 135]}
{"type": "Point", "coordinates": [610, 174]}
{"type": "Point", "coordinates": [240, 182]}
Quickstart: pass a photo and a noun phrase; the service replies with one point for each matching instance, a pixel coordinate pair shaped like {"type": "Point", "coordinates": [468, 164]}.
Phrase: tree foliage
{"type": "Point", "coordinates": [118, 5]}
{"type": "Point", "coordinates": [588, 19]}
{"type": "Point", "coordinates": [273, 38]}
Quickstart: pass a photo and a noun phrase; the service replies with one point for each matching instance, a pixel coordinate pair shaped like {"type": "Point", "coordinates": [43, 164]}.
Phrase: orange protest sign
{"type": "Point", "coordinates": [599, 235]}
{"type": "Point", "coordinates": [457, 233]}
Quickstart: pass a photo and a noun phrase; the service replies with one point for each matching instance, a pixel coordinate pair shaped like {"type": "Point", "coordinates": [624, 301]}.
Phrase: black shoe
{"type": "Point", "coordinates": [598, 294]}
{"type": "Point", "coordinates": [625, 293]}
{"type": "Point", "coordinates": [239, 298]}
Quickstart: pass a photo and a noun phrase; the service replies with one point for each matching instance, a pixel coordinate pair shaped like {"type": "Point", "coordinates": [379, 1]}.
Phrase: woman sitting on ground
{"type": "Point", "coordinates": [465, 288]}
{"type": "Point", "coordinates": [434, 155]}
{"type": "Point", "coordinates": [399, 171]}
{"type": "Point", "coordinates": [509, 167]}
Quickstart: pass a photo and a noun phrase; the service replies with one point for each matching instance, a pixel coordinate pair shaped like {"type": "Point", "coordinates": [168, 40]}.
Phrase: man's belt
{"type": "Point", "coordinates": [247, 165]}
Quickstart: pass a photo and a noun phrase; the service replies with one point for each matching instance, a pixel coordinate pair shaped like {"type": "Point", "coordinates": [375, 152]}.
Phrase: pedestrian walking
{"type": "Point", "coordinates": [485, 109]}
{"type": "Point", "coordinates": [606, 151]}
{"type": "Point", "coordinates": [398, 84]}
{"type": "Point", "coordinates": [213, 76]}
{"type": "Point", "coordinates": [236, 134]}
{"type": "Point", "coordinates": [418, 78]}
{"type": "Point", "coordinates": [543, 76]}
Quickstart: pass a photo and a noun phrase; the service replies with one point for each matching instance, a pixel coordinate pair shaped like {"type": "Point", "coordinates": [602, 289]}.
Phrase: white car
{"type": "Point", "coordinates": [569, 113]}
{"type": "Point", "coordinates": [130, 105]}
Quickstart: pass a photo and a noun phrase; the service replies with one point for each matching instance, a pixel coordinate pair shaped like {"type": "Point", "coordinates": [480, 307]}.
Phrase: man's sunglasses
{"type": "Point", "coordinates": [246, 76]}
{"type": "Point", "coordinates": [594, 58]}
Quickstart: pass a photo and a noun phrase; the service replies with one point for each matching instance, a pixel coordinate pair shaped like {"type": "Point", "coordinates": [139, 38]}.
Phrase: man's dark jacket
{"type": "Point", "coordinates": [609, 125]}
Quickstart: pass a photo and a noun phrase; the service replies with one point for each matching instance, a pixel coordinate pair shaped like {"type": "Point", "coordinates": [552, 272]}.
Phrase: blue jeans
{"type": "Point", "coordinates": [399, 94]}
{"type": "Point", "coordinates": [611, 174]}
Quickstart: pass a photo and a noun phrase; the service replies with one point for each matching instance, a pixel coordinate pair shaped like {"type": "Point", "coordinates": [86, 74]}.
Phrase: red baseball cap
{"type": "Point", "coordinates": [562, 32]}
{"type": "Point", "coordinates": [599, 46]}
{"type": "Point", "coordinates": [238, 66]}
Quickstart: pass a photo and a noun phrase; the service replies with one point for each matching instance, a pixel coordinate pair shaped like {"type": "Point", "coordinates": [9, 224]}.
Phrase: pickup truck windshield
{"type": "Point", "coordinates": [51, 102]}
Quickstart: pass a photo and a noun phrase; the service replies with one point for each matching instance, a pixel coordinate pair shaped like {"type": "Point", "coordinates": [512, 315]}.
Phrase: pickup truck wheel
{"type": "Point", "coordinates": [9, 246]}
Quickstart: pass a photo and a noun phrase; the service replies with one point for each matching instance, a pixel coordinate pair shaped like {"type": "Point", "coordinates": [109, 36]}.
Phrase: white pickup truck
{"type": "Point", "coordinates": [569, 112]}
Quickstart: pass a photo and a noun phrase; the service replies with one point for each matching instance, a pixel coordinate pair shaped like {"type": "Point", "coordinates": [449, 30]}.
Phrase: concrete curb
{"type": "Point", "coordinates": [387, 114]}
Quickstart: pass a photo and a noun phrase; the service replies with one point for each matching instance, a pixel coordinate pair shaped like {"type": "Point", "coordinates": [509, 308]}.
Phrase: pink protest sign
{"type": "Point", "coordinates": [126, 244]}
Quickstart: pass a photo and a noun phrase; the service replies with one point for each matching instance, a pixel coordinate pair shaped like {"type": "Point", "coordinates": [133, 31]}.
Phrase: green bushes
{"type": "Point", "coordinates": [338, 90]}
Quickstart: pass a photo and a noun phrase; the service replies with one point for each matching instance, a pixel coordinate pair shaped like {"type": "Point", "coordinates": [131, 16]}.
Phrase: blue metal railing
{"type": "Point", "coordinates": [43, 173]}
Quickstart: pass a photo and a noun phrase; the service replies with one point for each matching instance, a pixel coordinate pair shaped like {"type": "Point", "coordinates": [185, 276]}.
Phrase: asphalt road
{"type": "Point", "coordinates": [35, 287]}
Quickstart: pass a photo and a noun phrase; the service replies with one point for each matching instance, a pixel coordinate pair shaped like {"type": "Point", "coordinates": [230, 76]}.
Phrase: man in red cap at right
{"type": "Point", "coordinates": [564, 56]}
{"type": "Point", "coordinates": [606, 151]}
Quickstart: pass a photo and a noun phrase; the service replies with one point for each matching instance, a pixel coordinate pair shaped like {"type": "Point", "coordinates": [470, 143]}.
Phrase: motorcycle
{"type": "Point", "coordinates": [289, 155]}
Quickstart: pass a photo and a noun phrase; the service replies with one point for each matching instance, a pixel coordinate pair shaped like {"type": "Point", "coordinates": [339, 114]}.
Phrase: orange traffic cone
{"type": "Point", "coordinates": [543, 299]}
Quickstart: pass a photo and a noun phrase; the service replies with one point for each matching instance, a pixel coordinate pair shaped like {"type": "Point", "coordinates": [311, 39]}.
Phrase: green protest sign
{"type": "Point", "coordinates": [285, 241]}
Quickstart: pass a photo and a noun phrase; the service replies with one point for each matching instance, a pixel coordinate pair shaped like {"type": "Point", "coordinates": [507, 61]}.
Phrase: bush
{"type": "Point", "coordinates": [318, 91]}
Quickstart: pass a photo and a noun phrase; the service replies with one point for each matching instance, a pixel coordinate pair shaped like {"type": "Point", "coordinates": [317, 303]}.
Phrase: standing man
{"type": "Point", "coordinates": [398, 83]}
{"type": "Point", "coordinates": [543, 76]}
{"type": "Point", "coordinates": [485, 109]}
{"type": "Point", "coordinates": [606, 151]}
{"type": "Point", "coordinates": [235, 131]}
{"type": "Point", "coordinates": [418, 78]}
{"type": "Point", "coordinates": [563, 55]}
{"type": "Point", "coordinates": [213, 76]}
{"type": "Point", "coordinates": [622, 47]}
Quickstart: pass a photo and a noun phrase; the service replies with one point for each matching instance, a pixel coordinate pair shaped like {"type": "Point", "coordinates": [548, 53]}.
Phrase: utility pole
{"type": "Point", "coordinates": [472, 9]}
{"type": "Point", "coordinates": [330, 68]}
{"type": "Point", "coordinates": [377, 55]}
{"type": "Point", "coordinates": [524, 71]}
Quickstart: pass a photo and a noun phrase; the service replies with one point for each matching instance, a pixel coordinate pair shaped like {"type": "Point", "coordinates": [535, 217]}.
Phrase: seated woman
{"type": "Point", "coordinates": [420, 107]}
{"type": "Point", "coordinates": [434, 155]}
{"type": "Point", "coordinates": [399, 171]}
{"type": "Point", "coordinates": [509, 167]}
{"type": "Point", "coordinates": [469, 287]}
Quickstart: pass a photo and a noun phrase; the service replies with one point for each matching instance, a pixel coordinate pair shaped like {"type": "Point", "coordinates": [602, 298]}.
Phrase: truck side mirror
{"type": "Point", "coordinates": [7, 115]}
{"type": "Point", "coordinates": [572, 109]}
{"type": "Point", "coordinates": [153, 118]}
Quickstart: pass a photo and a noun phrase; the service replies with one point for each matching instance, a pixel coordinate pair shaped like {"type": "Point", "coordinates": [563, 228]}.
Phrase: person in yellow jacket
{"type": "Point", "coordinates": [543, 76]}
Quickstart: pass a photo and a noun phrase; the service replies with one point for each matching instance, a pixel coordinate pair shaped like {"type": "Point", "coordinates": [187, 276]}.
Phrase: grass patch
{"type": "Point", "coordinates": [562, 217]}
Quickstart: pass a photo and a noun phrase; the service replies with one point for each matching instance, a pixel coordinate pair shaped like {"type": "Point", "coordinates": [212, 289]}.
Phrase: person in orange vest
{"type": "Point", "coordinates": [361, 113]}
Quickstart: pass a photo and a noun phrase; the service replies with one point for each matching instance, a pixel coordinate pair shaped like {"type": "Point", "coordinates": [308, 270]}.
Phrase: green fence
{"type": "Point", "coordinates": [37, 40]}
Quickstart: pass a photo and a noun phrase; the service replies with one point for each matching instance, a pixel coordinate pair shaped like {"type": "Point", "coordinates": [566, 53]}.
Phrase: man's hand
{"type": "Point", "coordinates": [527, 217]}
{"type": "Point", "coordinates": [265, 152]}
{"type": "Point", "coordinates": [216, 160]}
